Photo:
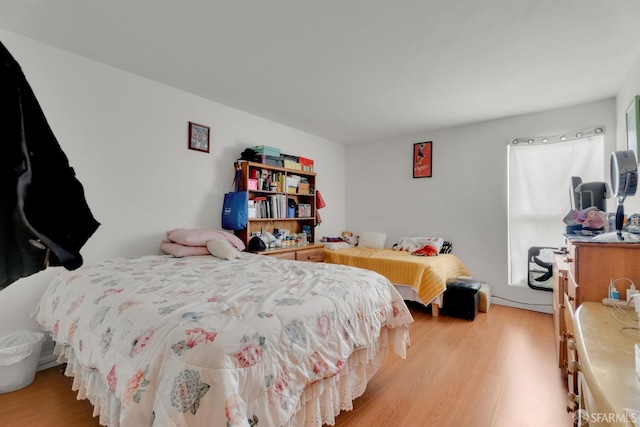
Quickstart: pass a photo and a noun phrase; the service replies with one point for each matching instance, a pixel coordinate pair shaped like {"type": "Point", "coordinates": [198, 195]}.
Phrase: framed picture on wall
{"type": "Point", "coordinates": [633, 120]}
{"type": "Point", "coordinates": [422, 159]}
{"type": "Point", "coordinates": [198, 137]}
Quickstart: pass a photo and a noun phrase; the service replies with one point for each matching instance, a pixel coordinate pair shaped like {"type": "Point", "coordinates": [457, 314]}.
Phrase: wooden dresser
{"type": "Point", "coordinates": [592, 266]}
{"type": "Point", "coordinates": [583, 274]}
{"type": "Point", "coordinates": [310, 253]}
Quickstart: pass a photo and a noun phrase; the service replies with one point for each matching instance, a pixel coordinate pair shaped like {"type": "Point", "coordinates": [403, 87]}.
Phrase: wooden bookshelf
{"type": "Point", "coordinates": [257, 174]}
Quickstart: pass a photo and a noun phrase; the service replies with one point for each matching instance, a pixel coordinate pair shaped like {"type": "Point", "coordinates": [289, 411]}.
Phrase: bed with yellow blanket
{"type": "Point", "coordinates": [418, 278]}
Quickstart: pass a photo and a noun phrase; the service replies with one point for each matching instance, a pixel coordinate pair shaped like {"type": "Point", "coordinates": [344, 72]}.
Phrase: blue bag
{"type": "Point", "coordinates": [235, 208]}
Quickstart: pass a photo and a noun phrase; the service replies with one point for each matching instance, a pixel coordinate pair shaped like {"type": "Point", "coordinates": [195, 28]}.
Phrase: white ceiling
{"type": "Point", "coordinates": [355, 70]}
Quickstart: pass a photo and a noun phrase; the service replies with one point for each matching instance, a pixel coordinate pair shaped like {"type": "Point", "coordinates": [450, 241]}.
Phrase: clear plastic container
{"type": "Point", "coordinates": [19, 355]}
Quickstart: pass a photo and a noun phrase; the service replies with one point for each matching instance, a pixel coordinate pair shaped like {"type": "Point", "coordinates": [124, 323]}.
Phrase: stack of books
{"type": "Point", "coordinates": [273, 206]}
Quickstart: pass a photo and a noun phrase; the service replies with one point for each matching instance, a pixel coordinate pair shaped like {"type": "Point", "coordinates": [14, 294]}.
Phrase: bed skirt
{"type": "Point", "coordinates": [319, 404]}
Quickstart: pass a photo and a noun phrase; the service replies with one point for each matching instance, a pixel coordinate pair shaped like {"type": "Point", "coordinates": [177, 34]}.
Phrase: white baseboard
{"type": "Point", "coordinates": [47, 360]}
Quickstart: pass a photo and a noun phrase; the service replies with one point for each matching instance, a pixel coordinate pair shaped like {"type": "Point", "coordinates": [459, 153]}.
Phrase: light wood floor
{"type": "Point", "coordinates": [499, 370]}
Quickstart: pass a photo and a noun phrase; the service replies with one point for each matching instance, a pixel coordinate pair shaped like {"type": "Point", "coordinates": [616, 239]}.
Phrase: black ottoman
{"type": "Point", "coordinates": [461, 298]}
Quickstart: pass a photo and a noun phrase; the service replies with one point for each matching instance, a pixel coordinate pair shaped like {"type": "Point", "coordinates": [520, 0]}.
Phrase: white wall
{"type": "Point", "coordinates": [466, 199]}
{"type": "Point", "coordinates": [126, 138]}
{"type": "Point", "coordinates": [625, 96]}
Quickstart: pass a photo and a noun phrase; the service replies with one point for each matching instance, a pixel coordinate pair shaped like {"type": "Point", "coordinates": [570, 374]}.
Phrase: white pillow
{"type": "Point", "coordinates": [372, 239]}
{"type": "Point", "coordinates": [412, 244]}
{"type": "Point", "coordinates": [222, 249]}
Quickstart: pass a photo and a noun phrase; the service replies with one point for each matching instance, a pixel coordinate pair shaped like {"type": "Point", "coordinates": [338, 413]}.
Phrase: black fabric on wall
{"type": "Point", "coordinates": [42, 204]}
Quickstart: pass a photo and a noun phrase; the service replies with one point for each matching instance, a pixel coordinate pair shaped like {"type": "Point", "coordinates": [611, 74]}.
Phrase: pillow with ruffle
{"type": "Point", "coordinates": [200, 237]}
{"type": "Point", "coordinates": [179, 251]}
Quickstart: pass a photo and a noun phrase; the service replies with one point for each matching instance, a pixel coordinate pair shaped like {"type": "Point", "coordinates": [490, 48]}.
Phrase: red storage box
{"type": "Point", "coordinates": [305, 161]}
{"type": "Point", "coordinates": [306, 164]}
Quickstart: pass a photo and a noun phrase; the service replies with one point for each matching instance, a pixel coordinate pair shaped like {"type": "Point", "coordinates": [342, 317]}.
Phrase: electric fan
{"type": "Point", "coordinates": [624, 180]}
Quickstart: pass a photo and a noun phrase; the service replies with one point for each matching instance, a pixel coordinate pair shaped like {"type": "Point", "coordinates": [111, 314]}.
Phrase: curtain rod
{"type": "Point", "coordinates": [564, 137]}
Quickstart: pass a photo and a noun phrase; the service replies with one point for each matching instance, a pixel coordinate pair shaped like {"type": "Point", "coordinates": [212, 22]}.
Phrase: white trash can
{"type": "Point", "coordinates": [19, 355]}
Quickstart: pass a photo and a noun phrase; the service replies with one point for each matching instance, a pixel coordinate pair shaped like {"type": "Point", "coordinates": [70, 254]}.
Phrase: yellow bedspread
{"type": "Point", "coordinates": [427, 275]}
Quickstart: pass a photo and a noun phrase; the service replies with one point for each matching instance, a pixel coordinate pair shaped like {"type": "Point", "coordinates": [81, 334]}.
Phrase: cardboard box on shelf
{"type": "Point", "coordinates": [303, 188]}
{"type": "Point", "coordinates": [272, 160]}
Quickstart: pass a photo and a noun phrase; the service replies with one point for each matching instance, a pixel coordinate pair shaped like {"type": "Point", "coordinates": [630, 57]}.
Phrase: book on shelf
{"type": "Point", "coordinates": [259, 206]}
{"type": "Point", "coordinates": [278, 206]}
{"type": "Point", "coordinates": [272, 206]}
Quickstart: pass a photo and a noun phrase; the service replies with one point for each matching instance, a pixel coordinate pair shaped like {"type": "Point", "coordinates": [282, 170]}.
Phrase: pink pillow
{"type": "Point", "coordinates": [180, 251]}
{"type": "Point", "coordinates": [195, 237]}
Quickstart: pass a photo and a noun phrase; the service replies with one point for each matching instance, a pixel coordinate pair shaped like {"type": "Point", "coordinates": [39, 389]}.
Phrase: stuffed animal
{"type": "Point", "coordinates": [348, 237]}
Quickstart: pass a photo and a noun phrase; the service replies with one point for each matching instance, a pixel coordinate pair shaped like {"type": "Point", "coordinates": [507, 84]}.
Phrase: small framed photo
{"type": "Point", "coordinates": [198, 137]}
{"type": "Point", "coordinates": [304, 210]}
{"type": "Point", "coordinates": [422, 157]}
{"type": "Point", "coordinates": [633, 121]}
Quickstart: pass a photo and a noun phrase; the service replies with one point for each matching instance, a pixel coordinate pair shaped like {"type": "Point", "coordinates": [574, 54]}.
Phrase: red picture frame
{"type": "Point", "coordinates": [198, 137]}
{"type": "Point", "coordinates": [422, 159]}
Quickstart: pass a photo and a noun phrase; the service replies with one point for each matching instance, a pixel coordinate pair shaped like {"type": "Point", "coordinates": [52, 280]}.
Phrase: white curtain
{"type": "Point", "coordinates": [539, 183]}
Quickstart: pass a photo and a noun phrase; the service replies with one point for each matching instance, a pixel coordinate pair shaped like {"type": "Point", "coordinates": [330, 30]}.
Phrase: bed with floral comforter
{"type": "Point", "coordinates": [256, 341]}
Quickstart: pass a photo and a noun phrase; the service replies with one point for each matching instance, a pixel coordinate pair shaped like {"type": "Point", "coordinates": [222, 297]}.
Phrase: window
{"type": "Point", "coordinates": [539, 182]}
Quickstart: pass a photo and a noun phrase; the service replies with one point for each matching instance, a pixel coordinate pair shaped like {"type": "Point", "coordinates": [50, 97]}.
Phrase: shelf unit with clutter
{"type": "Point", "coordinates": [281, 202]}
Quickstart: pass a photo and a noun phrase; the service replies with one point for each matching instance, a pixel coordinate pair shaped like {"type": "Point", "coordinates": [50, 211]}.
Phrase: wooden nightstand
{"type": "Point", "coordinates": [309, 253]}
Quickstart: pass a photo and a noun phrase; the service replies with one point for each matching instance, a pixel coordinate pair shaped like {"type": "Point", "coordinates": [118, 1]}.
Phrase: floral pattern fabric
{"type": "Point", "coordinates": [202, 341]}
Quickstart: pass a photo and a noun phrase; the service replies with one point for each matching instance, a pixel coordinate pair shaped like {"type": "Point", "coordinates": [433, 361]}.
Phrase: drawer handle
{"type": "Point", "coordinates": [574, 366]}
{"type": "Point", "coordinates": [571, 344]}
{"type": "Point", "coordinates": [575, 398]}
{"type": "Point", "coordinates": [312, 256]}
{"type": "Point", "coordinates": [568, 259]}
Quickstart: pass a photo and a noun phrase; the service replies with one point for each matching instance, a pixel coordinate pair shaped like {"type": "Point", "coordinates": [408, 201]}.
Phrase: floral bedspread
{"type": "Point", "coordinates": [203, 341]}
